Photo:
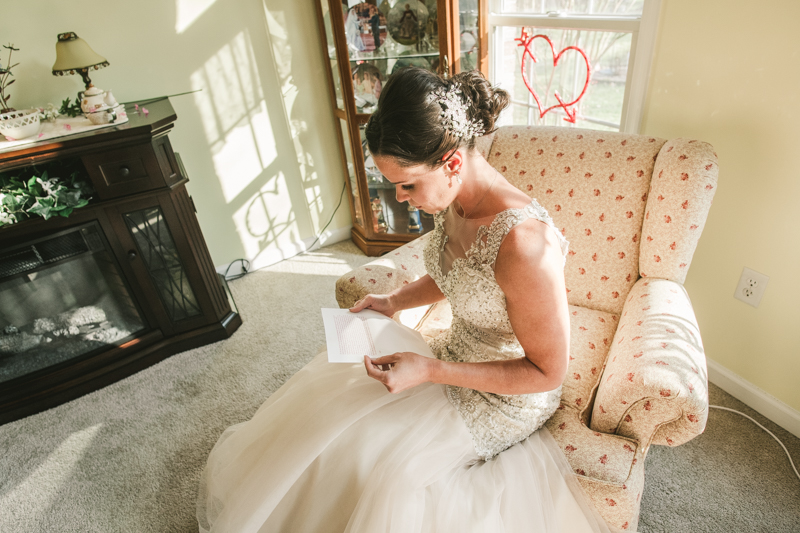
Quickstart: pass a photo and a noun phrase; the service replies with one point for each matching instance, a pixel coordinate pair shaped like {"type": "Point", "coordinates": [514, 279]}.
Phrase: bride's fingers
{"type": "Point", "coordinates": [358, 306]}
{"type": "Point", "coordinates": [362, 304]}
{"type": "Point", "coordinates": [386, 359]}
{"type": "Point", "coordinates": [374, 370]}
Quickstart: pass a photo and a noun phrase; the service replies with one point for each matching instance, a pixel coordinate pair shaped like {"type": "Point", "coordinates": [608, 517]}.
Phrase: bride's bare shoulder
{"type": "Point", "coordinates": [530, 244]}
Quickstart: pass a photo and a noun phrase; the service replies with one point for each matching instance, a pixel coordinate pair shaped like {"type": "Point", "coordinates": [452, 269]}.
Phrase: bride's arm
{"type": "Point", "coordinates": [529, 269]}
{"type": "Point", "coordinates": [423, 291]}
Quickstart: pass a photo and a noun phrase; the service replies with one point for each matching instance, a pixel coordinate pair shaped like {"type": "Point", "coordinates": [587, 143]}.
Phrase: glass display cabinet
{"type": "Point", "coordinates": [365, 42]}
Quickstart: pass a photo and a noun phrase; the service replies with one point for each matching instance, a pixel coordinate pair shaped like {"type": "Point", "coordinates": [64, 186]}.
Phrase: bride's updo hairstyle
{"type": "Point", "coordinates": [413, 124]}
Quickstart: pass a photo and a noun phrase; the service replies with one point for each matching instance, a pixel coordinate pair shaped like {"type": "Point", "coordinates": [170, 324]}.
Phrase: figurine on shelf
{"type": "Point", "coordinates": [356, 201]}
{"type": "Point", "coordinates": [365, 27]}
{"type": "Point", "coordinates": [407, 22]}
{"type": "Point", "coordinates": [414, 222]}
{"type": "Point", "coordinates": [378, 220]}
{"type": "Point", "coordinates": [432, 26]}
{"type": "Point", "coordinates": [366, 85]}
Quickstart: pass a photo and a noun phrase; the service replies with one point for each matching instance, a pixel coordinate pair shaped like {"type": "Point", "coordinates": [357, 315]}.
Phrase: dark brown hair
{"type": "Point", "coordinates": [409, 128]}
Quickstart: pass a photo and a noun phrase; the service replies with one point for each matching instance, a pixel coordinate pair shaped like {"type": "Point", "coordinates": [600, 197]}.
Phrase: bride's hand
{"type": "Point", "coordinates": [381, 303]}
{"type": "Point", "coordinates": [399, 371]}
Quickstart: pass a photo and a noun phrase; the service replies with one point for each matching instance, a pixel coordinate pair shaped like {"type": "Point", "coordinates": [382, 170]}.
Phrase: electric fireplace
{"type": "Point", "coordinates": [62, 297]}
{"type": "Point", "coordinates": [116, 286]}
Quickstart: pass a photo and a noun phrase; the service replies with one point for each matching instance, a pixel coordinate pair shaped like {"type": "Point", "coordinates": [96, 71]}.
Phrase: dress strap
{"type": "Point", "coordinates": [507, 220]}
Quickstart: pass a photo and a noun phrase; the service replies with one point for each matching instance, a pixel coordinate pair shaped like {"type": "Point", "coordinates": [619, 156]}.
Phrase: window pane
{"type": "Point", "coordinates": [574, 7]}
{"type": "Point", "coordinates": [601, 105]}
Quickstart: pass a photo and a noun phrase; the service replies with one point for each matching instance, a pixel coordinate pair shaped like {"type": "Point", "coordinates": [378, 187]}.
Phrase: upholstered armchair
{"type": "Point", "coordinates": [633, 208]}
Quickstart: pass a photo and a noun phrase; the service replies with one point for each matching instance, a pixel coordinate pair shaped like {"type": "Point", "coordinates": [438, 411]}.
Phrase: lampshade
{"type": "Point", "coordinates": [74, 54]}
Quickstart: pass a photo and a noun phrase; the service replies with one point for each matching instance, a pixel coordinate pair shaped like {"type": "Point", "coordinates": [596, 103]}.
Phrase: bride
{"type": "Point", "coordinates": [407, 443]}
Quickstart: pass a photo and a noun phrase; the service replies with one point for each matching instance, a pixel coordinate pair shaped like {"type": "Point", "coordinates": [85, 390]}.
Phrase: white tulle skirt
{"type": "Point", "coordinates": [333, 451]}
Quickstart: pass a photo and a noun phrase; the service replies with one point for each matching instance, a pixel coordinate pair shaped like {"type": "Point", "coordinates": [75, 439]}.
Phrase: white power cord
{"type": "Point", "coordinates": [765, 429]}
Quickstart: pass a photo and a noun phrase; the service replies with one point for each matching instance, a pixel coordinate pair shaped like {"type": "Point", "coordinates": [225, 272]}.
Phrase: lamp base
{"type": "Point", "coordinates": [84, 72]}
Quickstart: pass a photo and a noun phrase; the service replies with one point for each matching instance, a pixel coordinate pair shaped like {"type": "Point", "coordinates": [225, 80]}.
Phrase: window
{"type": "Point", "coordinates": [611, 39]}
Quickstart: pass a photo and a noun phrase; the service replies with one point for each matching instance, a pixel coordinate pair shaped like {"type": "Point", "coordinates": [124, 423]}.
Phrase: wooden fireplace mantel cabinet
{"type": "Point", "coordinates": [147, 219]}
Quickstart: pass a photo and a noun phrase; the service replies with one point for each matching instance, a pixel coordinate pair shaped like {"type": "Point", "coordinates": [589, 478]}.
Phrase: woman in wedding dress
{"type": "Point", "coordinates": [406, 443]}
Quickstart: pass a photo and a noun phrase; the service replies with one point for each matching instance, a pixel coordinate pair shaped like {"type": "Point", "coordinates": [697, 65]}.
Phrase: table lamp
{"type": "Point", "coordinates": [74, 55]}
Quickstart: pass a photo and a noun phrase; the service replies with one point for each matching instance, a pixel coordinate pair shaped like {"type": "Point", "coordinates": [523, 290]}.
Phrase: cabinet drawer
{"type": "Point", "coordinates": [124, 171]}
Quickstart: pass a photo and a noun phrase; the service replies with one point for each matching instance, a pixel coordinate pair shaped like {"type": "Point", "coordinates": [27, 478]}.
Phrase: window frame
{"type": "Point", "coordinates": [643, 39]}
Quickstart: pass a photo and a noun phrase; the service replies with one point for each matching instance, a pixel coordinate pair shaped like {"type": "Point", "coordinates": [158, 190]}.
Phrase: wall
{"type": "Point", "coordinates": [725, 72]}
{"type": "Point", "coordinates": [259, 142]}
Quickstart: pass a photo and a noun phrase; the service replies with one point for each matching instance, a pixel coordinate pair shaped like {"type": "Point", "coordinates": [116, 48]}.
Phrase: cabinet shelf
{"type": "Point", "coordinates": [356, 78]}
{"type": "Point", "coordinates": [374, 56]}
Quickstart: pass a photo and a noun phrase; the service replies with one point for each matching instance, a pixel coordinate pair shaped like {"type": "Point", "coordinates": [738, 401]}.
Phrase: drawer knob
{"type": "Point", "coordinates": [131, 255]}
{"type": "Point", "coordinates": [124, 171]}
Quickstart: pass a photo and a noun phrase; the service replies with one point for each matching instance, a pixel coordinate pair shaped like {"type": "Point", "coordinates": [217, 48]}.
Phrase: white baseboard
{"type": "Point", "coordinates": [270, 256]}
{"type": "Point", "coordinates": [756, 398]}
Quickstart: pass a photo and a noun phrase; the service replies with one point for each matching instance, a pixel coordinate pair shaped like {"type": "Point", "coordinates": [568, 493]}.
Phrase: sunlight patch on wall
{"type": "Point", "coordinates": [305, 161]}
{"type": "Point", "coordinates": [300, 74]}
{"type": "Point", "coordinates": [282, 52]}
{"type": "Point", "coordinates": [267, 218]}
{"type": "Point", "coordinates": [48, 479]}
{"type": "Point", "coordinates": [234, 115]}
{"type": "Point", "coordinates": [187, 11]}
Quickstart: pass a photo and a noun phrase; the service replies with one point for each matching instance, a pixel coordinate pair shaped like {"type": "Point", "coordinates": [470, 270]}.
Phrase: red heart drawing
{"type": "Point", "coordinates": [526, 41]}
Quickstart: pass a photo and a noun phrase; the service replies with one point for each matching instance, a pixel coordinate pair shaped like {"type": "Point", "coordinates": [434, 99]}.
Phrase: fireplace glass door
{"type": "Point", "coordinates": [62, 298]}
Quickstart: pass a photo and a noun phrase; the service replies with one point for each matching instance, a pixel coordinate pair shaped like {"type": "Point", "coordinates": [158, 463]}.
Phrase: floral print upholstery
{"type": "Point", "coordinates": [682, 189]}
{"type": "Point", "coordinates": [591, 453]}
{"type": "Point", "coordinates": [618, 503]}
{"type": "Point", "coordinates": [632, 208]}
{"type": "Point", "coordinates": [594, 185]}
{"type": "Point", "coordinates": [383, 275]}
{"type": "Point", "coordinates": [591, 334]}
{"type": "Point", "coordinates": [610, 468]}
{"type": "Point", "coordinates": [654, 388]}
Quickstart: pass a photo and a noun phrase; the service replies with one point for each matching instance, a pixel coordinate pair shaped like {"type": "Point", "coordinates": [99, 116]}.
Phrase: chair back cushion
{"type": "Point", "coordinates": [595, 186]}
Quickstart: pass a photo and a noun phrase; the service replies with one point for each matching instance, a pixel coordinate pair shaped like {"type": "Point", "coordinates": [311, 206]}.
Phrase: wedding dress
{"type": "Point", "coordinates": [333, 451]}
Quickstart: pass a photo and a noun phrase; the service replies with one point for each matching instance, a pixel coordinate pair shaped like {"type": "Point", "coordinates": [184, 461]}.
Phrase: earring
{"type": "Point", "coordinates": [458, 178]}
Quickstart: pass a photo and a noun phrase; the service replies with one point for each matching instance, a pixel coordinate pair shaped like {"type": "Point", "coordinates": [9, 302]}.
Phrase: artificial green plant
{"type": "Point", "coordinates": [25, 196]}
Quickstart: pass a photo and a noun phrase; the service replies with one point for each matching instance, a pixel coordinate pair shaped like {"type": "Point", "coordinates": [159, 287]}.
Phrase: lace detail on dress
{"type": "Point", "coordinates": [481, 331]}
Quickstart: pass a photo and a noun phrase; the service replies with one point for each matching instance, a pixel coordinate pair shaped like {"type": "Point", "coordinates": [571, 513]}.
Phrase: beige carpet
{"type": "Point", "coordinates": [127, 458]}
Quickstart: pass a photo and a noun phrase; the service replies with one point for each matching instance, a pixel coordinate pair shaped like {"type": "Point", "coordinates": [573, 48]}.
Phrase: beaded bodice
{"type": "Point", "coordinates": [481, 330]}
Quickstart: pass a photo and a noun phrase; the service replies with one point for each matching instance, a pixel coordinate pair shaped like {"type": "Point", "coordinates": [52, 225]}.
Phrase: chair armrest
{"type": "Point", "coordinates": [591, 453]}
{"type": "Point", "coordinates": [383, 275]}
{"type": "Point", "coordinates": [654, 387]}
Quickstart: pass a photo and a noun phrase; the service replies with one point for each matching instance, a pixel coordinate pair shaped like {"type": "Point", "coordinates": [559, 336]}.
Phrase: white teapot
{"type": "Point", "coordinates": [100, 106]}
{"type": "Point", "coordinates": [94, 99]}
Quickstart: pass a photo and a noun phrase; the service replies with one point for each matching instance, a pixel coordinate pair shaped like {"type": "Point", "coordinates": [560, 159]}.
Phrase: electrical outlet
{"type": "Point", "coordinates": [751, 287]}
